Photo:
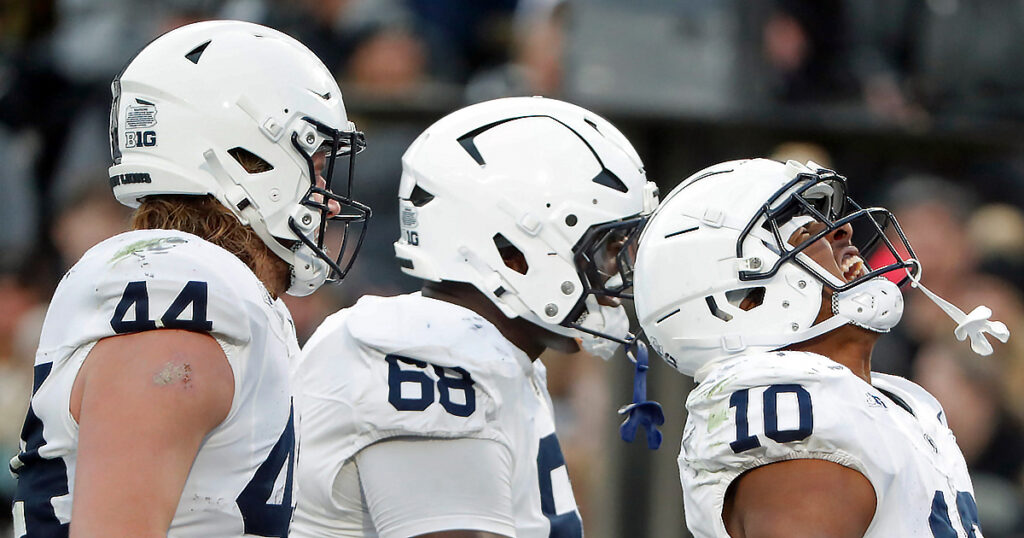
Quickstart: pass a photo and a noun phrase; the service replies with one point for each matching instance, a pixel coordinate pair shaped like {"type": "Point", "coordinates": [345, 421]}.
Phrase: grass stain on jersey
{"type": "Point", "coordinates": [716, 419]}
{"type": "Point", "coordinates": [159, 244]}
{"type": "Point", "coordinates": [716, 389]}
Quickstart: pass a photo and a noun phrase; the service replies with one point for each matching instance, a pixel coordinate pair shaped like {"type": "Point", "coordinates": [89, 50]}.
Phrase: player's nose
{"type": "Point", "coordinates": [842, 234]}
{"type": "Point", "coordinates": [333, 207]}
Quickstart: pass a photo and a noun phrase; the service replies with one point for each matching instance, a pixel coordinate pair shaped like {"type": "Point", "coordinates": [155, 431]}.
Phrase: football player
{"type": "Point", "coordinates": [428, 413]}
{"type": "Point", "coordinates": [770, 286]}
{"type": "Point", "coordinates": [161, 403]}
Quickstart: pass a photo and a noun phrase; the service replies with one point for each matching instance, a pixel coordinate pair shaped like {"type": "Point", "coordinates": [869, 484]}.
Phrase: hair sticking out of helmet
{"type": "Point", "coordinates": [252, 117]}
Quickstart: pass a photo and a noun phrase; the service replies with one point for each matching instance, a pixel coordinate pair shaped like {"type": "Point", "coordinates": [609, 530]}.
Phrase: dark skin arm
{"type": "Point", "coordinates": [799, 499]}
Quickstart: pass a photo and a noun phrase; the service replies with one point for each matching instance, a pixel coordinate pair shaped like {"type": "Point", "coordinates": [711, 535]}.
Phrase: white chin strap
{"type": "Point", "coordinates": [610, 320]}
{"type": "Point", "coordinates": [973, 325]}
{"type": "Point", "coordinates": [308, 271]}
{"type": "Point", "coordinates": [876, 305]}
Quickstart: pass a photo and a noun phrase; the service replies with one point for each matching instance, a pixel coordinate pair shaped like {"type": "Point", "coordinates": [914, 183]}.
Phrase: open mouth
{"type": "Point", "coordinates": [852, 266]}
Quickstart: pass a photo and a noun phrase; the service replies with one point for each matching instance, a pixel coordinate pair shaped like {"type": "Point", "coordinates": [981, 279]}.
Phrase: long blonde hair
{"type": "Point", "coordinates": [205, 217]}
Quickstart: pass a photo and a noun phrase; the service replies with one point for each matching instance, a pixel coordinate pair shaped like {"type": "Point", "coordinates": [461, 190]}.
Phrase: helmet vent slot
{"type": "Point", "coordinates": [681, 232]}
{"type": "Point", "coordinates": [592, 124]}
{"type": "Point", "coordinates": [194, 54]}
{"type": "Point", "coordinates": [469, 144]}
{"type": "Point", "coordinates": [746, 298]}
{"type": "Point", "coordinates": [510, 255]}
{"type": "Point", "coordinates": [713, 307]}
{"type": "Point", "coordinates": [666, 316]}
{"type": "Point", "coordinates": [252, 163]}
{"type": "Point", "coordinates": [608, 179]}
{"type": "Point", "coordinates": [420, 197]}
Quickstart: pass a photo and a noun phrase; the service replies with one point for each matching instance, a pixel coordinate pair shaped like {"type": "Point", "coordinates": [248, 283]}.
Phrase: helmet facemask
{"type": "Point", "coordinates": [337, 144]}
{"type": "Point", "coordinates": [819, 202]}
{"type": "Point", "coordinates": [604, 259]}
{"type": "Point", "coordinates": [869, 298]}
{"type": "Point", "coordinates": [750, 256]}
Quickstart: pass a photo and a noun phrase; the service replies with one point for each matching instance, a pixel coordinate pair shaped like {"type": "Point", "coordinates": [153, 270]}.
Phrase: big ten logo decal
{"type": "Point", "coordinates": [139, 139]}
{"type": "Point", "coordinates": [411, 237]}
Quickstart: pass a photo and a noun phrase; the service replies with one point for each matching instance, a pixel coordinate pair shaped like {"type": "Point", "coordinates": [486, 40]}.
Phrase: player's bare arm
{"type": "Point", "coordinates": [799, 498]}
{"type": "Point", "coordinates": [143, 403]}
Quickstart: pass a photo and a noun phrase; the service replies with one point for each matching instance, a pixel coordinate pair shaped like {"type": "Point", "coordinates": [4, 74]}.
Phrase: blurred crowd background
{"type": "Point", "coordinates": [920, 103]}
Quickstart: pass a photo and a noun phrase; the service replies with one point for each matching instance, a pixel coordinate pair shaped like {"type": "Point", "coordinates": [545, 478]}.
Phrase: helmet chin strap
{"type": "Point", "coordinates": [875, 305]}
{"type": "Point", "coordinates": [973, 325]}
{"type": "Point", "coordinates": [308, 271]}
{"type": "Point", "coordinates": [610, 320]}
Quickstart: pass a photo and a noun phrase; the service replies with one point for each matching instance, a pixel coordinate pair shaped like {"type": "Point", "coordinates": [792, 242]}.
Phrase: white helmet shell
{"type": "Point", "coordinates": [715, 277]}
{"type": "Point", "coordinates": [197, 97]}
{"type": "Point", "coordinates": [528, 173]}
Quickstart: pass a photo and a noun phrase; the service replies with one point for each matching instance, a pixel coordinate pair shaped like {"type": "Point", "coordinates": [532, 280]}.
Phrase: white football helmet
{"type": "Point", "coordinates": [716, 275]}
{"type": "Point", "coordinates": [555, 182]}
{"type": "Point", "coordinates": [201, 99]}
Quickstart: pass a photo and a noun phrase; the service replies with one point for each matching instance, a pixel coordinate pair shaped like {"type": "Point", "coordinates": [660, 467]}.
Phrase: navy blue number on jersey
{"type": "Point", "coordinates": [135, 293]}
{"type": "Point", "coordinates": [40, 479]}
{"type": "Point", "coordinates": [259, 515]}
{"type": "Point", "coordinates": [549, 458]}
{"type": "Point", "coordinates": [418, 376]}
{"type": "Point", "coordinates": [939, 520]}
{"type": "Point", "coordinates": [741, 401]}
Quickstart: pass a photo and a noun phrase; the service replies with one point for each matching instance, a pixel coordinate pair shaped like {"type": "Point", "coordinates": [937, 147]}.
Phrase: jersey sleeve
{"type": "Point", "coordinates": [419, 486]}
{"type": "Point", "coordinates": [776, 407]}
{"type": "Point", "coordinates": [371, 374]}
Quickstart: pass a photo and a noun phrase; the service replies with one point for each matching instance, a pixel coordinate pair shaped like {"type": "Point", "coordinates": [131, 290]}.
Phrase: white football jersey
{"type": "Point", "coordinates": [770, 407]}
{"type": "Point", "coordinates": [415, 366]}
{"type": "Point", "coordinates": [240, 483]}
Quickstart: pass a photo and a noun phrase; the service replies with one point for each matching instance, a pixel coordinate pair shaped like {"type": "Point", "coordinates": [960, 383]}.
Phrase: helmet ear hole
{"type": "Point", "coordinates": [510, 255]}
{"type": "Point", "coordinates": [252, 163]}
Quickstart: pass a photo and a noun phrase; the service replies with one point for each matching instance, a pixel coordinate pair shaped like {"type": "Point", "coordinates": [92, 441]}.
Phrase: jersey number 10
{"type": "Point", "coordinates": [741, 401]}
